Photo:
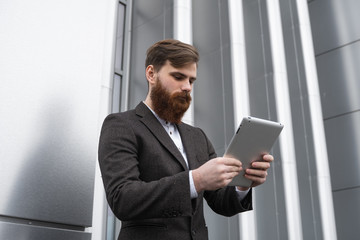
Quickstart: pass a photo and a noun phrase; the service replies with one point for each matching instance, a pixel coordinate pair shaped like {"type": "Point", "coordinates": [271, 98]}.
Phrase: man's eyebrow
{"type": "Point", "coordinates": [178, 73]}
{"type": "Point", "coordinates": [182, 75]}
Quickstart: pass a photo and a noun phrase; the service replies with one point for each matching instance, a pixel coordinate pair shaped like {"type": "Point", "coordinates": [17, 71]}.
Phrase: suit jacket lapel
{"type": "Point", "coordinates": [189, 145]}
{"type": "Point", "coordinates": [159, 132]}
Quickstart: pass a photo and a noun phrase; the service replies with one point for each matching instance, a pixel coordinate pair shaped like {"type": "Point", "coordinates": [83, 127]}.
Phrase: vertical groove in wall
{"type": "Point", "coordinates": [222, 71]}
{"type": "Point", "coordinates": [321, 157]}
{"type": "Point", "coordinates": [302, 93]}
{"type": "Point", "coordinates": [247, 229]}
{"type": "Point", "coordinates": [124, 105]}
{"type": "Point", "coordinates": [287, 147]}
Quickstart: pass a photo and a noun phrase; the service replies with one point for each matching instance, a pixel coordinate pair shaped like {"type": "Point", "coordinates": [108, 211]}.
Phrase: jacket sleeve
{"type": "Point", "coordinates": [129, 197]}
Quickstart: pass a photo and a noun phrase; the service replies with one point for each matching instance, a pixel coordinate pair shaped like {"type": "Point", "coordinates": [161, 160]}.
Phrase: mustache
{"type": "Point", "coordinates": [184, 95]}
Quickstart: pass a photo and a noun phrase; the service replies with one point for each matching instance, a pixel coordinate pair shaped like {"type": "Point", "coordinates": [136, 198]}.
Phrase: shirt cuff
{"type": "Point", "coordinates": [241, 194]}
{"type": "Point", "coordinates": [193, 192]}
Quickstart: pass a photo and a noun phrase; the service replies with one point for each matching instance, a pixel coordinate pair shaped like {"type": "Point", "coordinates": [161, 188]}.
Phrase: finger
{"type": "Point", "coordinates": [255, 178]}
{"type": "Point", "coordinates": [256, 173]}
{"type": "Point", "coordinates": [226, 179]}
{"type": "Point", "coordinates": [268, 158]}
{"type": "Point", "coordinates": [260, 165]}
{"type": "Point", "coordinates": [232, 162]}
{"type": "Point", "coordinates": [235, 169]}
{"type": "Point", "coordinates": [232, 169]}
{"type": "Point", "coordinates": [232, 175]}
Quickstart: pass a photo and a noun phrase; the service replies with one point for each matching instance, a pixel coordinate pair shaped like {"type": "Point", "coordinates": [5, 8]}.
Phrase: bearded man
{"type": "Point", "coordinates": [156, 169]}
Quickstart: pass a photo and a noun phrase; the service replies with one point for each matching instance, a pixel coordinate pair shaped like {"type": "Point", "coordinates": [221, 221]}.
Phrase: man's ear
{"type": "Point", "coordinates": [150, 74]}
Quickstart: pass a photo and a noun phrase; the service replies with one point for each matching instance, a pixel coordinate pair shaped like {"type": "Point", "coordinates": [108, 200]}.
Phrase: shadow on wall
{"type": "Point", "coordinates": [55, 180]}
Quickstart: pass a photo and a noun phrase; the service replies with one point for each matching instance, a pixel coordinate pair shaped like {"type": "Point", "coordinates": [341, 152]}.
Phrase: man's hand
{"type": "Point", "coordinates": [258, 171]}
{"type": "Point", "coordinates": [216, 173]}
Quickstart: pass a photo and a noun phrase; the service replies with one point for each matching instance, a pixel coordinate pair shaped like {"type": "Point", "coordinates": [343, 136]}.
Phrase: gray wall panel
{"type": "Point", "coordinates": [213, 108]}
{"type": "Point", "coordinates": [50, 137]}
{"type": "Point", "coordinates": [301, 122]}
{"type": "Point", "coordinates": [334, 23]}
{"type": "Point", "coordinates": [257, 40]}
{"type": "Point", "coordinates": [261, 91]}
{"type": "Point", "coordinates": [339, 73]}
{"type": "Point", "coordinates": [145, 11]}
{"type": "Point", "coordinates": [208, 16]}
{"type": "Point", "coordinates": [229, 127]}
{"type": "Point", "coordinates": [148, 28]}
{"type": "Point", "coordinates": [347, 212]}
{"type": "Point", "coordinates": [259, 63]}
{"type": "Point", "coordinates": [270, 203]}
{"type": "Point", "coordinates": [262, 102]}
{"type": "Point", "coordinates": [336, 41]}
{"type": "Point", "coordinates": [270, 199]}
{"type": "Point", "coordinates": [208, 98]}
{"type": "Point", "coordinates": [213, 99]}
{"type": "Point", "coordinates": [47, 171]}
{"type": "Point", "coordinates": [343, 138]}
{"type": "Point", "coordinates": [12, 231]}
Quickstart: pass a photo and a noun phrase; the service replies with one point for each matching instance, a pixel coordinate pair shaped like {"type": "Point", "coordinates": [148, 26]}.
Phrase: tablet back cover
{"type": "Point", "coordinates": [254, 138]}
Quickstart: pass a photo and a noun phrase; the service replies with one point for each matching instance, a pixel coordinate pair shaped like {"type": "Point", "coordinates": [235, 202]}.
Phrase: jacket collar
{"type": "Point", "coordinates": [150, 121]}
{"type": "Point", "coordinates": [187, 139]}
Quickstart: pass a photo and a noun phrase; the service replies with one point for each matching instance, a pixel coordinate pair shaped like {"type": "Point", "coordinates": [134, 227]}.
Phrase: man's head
{"type": "Point", "coordinates": [171, 68]}
{"type": "Point", "coordinates": [177, 53]}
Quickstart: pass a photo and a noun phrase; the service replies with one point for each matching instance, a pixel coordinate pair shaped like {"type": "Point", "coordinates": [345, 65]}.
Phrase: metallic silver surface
{"type": "Point", "coordinates": [48, 142]}
{"type": "Point", "coordinates": [347, 213]}
{"type": "Point", "coordinates": [343, 138]}
{"type": "Point", "coordinates": [213, 93]}
{"type": "Point", "coordinates": [48, 169]}
{"type": "Point", "coordinates": [339, 73]}
{"type": "Point", "coordinates": [13, 231]}
{"type": "Point", "coordinates": [336, 41]}
{"type": "Point", "coordinates": [334, 23]}
{"type": "Point", "coordinates": [152, 21]}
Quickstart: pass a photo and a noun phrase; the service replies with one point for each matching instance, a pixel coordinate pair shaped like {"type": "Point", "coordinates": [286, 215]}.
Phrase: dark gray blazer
{"type": "Point", "coordinates": [147, 181]}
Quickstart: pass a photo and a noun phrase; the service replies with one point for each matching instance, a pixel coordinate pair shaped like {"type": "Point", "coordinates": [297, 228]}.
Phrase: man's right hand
{"type": "Point", "coordinates": [216, 173]}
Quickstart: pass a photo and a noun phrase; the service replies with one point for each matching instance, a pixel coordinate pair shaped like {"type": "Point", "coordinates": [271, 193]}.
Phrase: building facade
{"type": "Point", "coordinates": [65, 65]}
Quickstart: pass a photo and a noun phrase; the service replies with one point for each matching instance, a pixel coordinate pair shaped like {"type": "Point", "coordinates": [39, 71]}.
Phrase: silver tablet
{"type": "Point", "coordinates": [254, 138]}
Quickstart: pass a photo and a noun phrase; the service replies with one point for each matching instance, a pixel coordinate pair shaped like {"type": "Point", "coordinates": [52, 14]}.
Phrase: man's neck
{"type": "Point", "coordinates": [148, 102]}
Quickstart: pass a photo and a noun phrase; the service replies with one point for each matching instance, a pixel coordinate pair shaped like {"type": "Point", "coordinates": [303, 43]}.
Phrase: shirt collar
{"type": "Point", "coordinates": [162, 121]}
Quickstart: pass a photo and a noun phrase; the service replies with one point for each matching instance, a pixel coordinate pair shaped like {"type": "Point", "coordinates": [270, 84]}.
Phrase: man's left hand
{"type": "Point", "coordinates": [258, 171]}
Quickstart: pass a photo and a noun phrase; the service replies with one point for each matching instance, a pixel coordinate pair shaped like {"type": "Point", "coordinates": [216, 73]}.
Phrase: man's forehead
{"type": "Point", "coordinates": [188, 69]}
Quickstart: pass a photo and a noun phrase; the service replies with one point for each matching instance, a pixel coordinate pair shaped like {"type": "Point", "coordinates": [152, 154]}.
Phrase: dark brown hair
{"type": "Point", "coordinates": [178, 53]}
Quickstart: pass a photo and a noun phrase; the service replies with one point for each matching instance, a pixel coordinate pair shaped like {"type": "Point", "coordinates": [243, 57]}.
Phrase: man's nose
{"type": "Point", "coordinates": [186, 86]}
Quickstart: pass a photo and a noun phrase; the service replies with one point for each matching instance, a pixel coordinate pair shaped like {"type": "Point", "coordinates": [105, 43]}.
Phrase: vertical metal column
{"type": "Point", "coordinates": [240, 94]}
{"type": "Point", "coordinates": [183, 32]}
{"type": "Point", "coordinates": [100, 205]}
{"type": "Point", "coordinates": [287, 147]}
{"type": "Point", "coordinates": [126, 61]}
{"type": "Point", "coordinates": [100, 230]}
{"type": "Point", "coordinates": [317, 124]}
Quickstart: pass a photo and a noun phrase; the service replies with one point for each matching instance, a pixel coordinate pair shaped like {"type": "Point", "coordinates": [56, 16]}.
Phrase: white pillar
{"type": "Point", "coordinates": [183, 32]}
{"type": "Point", "coordinates": [287, 147]}
{"type": "Point", "coordinates": [317, 125]}
{"type": "Point", "coordinates": [247, 226]}
{"type": "Point", "coordinates": [100, 206]}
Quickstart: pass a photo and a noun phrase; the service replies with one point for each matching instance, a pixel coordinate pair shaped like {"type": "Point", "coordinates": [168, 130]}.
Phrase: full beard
{"type": "Point", "coordinates": [170, 107]}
